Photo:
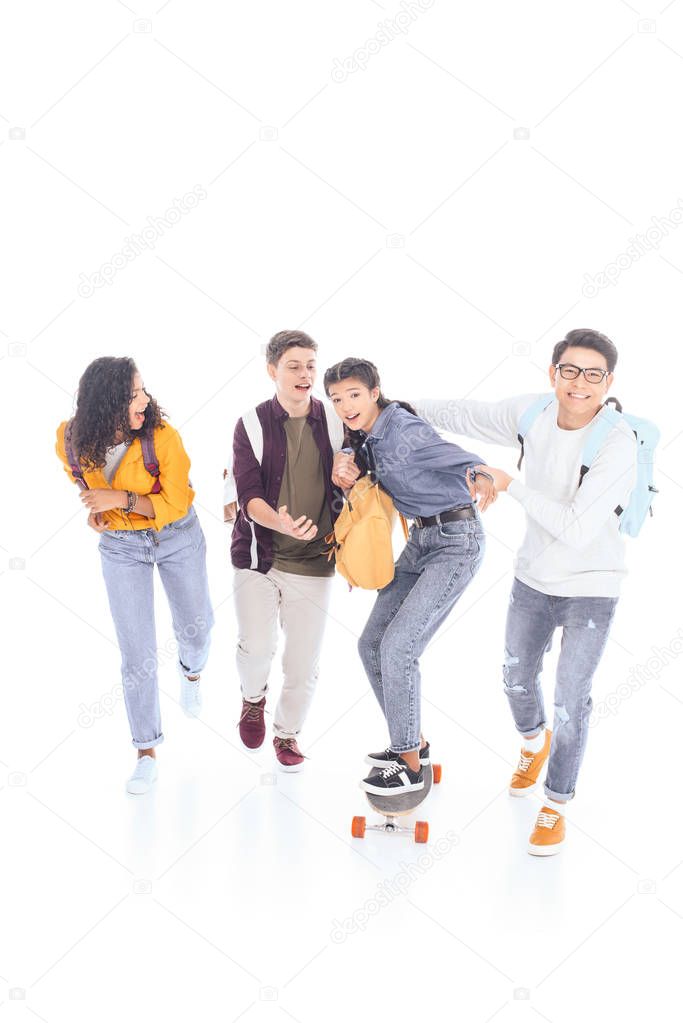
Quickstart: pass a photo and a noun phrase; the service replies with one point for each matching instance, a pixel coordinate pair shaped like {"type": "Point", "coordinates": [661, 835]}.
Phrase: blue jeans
{"type": "Point", "coordinates": [532, 619]}
{"type": "Point", "coordinates": [128, 559]}
{"type": "Point", "coordinates": [435, 568]}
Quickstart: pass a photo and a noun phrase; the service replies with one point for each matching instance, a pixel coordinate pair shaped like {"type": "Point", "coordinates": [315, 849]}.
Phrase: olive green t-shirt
{"type": "Point", "coordinates": [303, 491]}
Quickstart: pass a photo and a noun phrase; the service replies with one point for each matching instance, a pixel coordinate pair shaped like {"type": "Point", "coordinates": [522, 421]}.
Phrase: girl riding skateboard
{"type": "Point", "coordinates": [430, 482]}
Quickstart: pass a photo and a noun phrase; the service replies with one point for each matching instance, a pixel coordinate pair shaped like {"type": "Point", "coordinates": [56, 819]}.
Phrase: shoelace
{"type": "Point", "coordinates": [251, 712]}
{"type": "Point", "coordinates": [289, 744]}
{"type": "Point", "coordinates": [525, 762]}
{"type": "Point", "coordinates": [392, 769]}
{"type": "Point", "coordinates": [547, 820]}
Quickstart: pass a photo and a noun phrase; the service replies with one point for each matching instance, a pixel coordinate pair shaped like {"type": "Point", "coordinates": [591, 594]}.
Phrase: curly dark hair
{"type": "Point", "coordinates": [101, 417]}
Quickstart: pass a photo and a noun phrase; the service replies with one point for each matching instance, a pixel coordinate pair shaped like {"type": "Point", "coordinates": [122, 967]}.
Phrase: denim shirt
{"type": "Point", "coordinates": [424, 473]}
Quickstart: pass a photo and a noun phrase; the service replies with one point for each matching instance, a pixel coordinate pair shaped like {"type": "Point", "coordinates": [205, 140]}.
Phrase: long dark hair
{"type": "Point", "coordinates": [102, 406]}
{"type": "Point", "coordinates": [368, 374]}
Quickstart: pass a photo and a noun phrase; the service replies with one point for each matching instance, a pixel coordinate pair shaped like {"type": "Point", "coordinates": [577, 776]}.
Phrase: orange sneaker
{"type": "Point", "coordinates": [548, 835]}
{"type": "Point", "coordinates": [525, 777]}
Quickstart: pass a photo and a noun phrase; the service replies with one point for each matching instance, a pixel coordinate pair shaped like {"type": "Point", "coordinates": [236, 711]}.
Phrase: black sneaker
{"type": "Point", "coordinates": [389, 757]}
{"type": "Point", "coordinates": [394, 780]}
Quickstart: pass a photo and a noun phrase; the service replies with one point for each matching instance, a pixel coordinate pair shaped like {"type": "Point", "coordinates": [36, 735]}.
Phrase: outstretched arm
{"type": "Point", "coordinates": [494, 422]}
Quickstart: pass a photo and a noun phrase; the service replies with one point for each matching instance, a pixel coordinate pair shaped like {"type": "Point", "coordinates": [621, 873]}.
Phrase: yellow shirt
{"type": "Point", "coordinates": [173, 500]}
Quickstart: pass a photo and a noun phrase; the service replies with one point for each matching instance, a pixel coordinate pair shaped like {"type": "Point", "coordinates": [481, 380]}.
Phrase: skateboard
{"type": "Point", "coordinates": [393, 807]}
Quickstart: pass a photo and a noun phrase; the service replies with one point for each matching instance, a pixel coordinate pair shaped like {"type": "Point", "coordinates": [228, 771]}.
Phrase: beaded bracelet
{"type": "Point", "coordinates": [132, 501]}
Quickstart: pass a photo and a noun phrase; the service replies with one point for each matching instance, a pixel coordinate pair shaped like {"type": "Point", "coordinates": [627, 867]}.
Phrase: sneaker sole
{"type": "Point", "coordinates": [523, 792]}
{"type": "Point", "coordinates": [140, 792]}
{"type": "Point", "coordinates": [289, 768]}
{"type": "Point", "coordinates": [376, 791]}
{"type": "Point", "coordinates": [544, 850]}
{"type": "Point", "coordinates": [251, 749]}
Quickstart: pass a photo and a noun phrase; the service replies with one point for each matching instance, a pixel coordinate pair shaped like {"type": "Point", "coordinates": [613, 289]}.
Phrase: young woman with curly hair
{"type": "Point", "coordinates": [117, 435]}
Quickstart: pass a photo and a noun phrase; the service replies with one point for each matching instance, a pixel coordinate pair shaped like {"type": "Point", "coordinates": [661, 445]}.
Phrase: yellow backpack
{"type": "Point", "coordinates": [361, 541]}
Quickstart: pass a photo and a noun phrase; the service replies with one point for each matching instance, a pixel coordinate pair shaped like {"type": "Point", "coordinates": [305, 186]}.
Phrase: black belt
{"type": "Point", "coordinates": [465, 511]}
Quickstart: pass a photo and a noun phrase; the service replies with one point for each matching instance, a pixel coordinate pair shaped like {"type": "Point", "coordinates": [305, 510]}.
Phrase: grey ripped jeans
{"type": "Point", "coordinates": [532, 619]}
{"type": "Point", "coordinates": [435, 568]}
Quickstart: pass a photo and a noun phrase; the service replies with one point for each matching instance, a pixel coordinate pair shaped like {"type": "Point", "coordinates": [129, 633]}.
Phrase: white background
{"type": "Point", "coordinates": [443, 210]}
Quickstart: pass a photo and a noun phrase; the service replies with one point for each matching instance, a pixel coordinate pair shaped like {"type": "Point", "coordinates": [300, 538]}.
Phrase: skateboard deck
{"type": "Point", "coordinates": [399, 806]}
{"type": "Point", "coordinates": [391, 807]}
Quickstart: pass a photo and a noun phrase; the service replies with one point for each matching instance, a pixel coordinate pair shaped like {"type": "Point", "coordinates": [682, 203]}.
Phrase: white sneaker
{"type": "Point", "coordinates": [143, 777]}
{"type": "Point", "coordinates": [190, 694]}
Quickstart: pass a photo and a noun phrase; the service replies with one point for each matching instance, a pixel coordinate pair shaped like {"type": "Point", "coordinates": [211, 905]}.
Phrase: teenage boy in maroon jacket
{"type": "Point", "coordinates": [283, 453]}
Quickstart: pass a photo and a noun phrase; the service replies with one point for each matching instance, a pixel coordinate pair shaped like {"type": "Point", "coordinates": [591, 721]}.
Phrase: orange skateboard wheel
{"type": "Point", "coordinates": [436, 773]}
{"type": "Point", "coordinates": [358, 827]}
{"type": "Point", "coordinates": [421, 831]}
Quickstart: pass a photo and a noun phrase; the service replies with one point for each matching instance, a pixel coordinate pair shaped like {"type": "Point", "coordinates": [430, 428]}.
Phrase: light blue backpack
{"type": "Point", "coordinates": [632, 517]}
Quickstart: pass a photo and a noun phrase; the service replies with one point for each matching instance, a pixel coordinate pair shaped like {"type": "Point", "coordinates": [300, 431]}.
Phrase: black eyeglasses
{"type": "Point", "coordinates": [570, 372]}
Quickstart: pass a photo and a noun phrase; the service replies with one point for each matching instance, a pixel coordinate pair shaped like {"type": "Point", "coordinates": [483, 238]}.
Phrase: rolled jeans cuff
{"type": "Point", "coordinates": [560, 797]}
{"type": "Point", "coordinates": [148, 743]}
{"type": "Point", "coordinates": [278, 733]}
{"type": "Point", "coordinates": [535, 729]}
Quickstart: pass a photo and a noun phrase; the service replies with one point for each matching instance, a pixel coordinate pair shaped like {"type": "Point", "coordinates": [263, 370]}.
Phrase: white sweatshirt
{"type": "Point", "coordinates": [572, 546]}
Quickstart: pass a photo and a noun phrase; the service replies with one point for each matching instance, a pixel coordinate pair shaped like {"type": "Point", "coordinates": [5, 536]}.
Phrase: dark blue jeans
{"type": "Point", "coordinates": [532, 619]}
{"type": "Point", "coordinates": [434, 569]}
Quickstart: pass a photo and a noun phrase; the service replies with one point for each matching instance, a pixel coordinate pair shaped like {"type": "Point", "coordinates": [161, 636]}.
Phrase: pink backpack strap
{"type": "Point", "coordinates": [149, 457]}
{"type": "Point", "coordinates": [74, 464]}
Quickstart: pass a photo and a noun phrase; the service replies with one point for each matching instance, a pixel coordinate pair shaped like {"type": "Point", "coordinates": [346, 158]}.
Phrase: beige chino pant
{"type": "Point", "coordinates": [301, 604]}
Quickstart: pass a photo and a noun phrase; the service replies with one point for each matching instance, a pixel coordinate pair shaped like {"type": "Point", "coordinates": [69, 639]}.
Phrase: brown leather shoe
{"type": "Point", "coordinates": [530, 764]}
{"type": "Point", "coordinates": [252, 723]}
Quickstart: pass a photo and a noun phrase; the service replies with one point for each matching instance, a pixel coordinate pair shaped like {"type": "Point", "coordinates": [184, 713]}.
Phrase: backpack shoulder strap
{"type": "Point", "coordinates": [335, 428]}
{"type": "Point", "coordinates": [74, 463]}
{"type": "Point", "coordinates": [252, 424]}
{"type": "Point", "coordinates": [151, 462]}
{"type": "Point", "coordinates": [597, 436]}
{"type": "Point", "coordinates": [254, 430]}
{"type": "Point", "coordinates": [528, 418]}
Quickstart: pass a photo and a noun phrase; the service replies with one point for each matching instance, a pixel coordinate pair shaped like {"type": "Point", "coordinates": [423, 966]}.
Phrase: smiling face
{"type": "Point", "coordinates": [139, 400]}
{"type": "Point", "coordinates": [355, 403]}
{"type": "Point", "coordinates": [294, 376]}
{"type": "Point", "coordinates": [580, 399]}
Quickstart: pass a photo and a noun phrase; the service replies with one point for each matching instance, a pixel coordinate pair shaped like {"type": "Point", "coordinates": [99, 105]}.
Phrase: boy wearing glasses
{"type": "Point", "coordinates": [570, 566]}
